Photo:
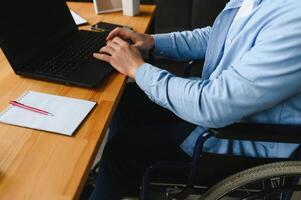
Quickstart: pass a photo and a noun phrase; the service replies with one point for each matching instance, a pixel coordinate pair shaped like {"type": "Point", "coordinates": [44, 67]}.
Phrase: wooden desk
{"type": "Point", "coordinates": [45, 166]}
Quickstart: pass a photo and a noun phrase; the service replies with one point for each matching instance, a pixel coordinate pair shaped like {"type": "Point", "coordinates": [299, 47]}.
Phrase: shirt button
{"type": "Point", "coordinates": [218, 22]}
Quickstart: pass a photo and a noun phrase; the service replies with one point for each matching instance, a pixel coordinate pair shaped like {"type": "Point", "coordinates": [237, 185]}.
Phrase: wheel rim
{"type": "Point", "coordinates": [274, 188]}
{"type": "Point", "coordinates": [274, 181]}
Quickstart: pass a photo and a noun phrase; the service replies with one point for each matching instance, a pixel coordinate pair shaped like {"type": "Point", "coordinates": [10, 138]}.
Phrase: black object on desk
{"type": "Point", "coordinates": [46, 44]}
{"type": "Point", "coordinates": [104, 27]}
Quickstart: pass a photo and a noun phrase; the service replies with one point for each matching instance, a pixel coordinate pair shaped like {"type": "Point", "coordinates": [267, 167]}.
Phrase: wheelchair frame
{"type": "Point", "coordinates": [239, 131]}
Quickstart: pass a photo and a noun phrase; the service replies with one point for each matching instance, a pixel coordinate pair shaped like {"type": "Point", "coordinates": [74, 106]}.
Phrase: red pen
{"type": "Point", "coordinates": [20, 105]}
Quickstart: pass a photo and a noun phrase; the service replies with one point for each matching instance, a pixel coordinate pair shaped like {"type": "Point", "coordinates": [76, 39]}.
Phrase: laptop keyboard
{"type": "Point", "coordinates": [73, 54]}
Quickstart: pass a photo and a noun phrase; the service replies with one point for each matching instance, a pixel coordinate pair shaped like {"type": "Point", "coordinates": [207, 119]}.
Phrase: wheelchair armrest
{"type": "Point", "coordinates": [260, 132]}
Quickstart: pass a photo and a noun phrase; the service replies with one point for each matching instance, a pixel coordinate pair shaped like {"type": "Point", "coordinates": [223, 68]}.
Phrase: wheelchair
{"type": "Point", "coordinates": [248, 179]}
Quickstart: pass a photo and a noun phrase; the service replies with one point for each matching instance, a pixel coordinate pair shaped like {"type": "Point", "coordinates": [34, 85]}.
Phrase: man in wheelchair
{"type": "Point", "coordinates": [251, 74]}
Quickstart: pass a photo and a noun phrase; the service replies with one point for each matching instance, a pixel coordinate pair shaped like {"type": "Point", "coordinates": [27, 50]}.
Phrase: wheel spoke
{"type": "Point", "coordinates": [275, 181]}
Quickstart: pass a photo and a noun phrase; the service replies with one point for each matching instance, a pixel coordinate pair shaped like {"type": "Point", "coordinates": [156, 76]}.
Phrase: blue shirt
{"type": "Point", "coordinates": [252, 73]}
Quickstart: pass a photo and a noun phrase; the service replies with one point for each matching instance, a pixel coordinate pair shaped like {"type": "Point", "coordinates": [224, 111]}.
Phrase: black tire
{"type": "Point", "coordinates": [286, 168]}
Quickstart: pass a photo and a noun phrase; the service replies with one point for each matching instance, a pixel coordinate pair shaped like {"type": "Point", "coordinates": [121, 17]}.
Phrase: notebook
{"type": "Point", "coordinates": [78, 19]}
{"type": "Point", "coordinates": [68, 113]}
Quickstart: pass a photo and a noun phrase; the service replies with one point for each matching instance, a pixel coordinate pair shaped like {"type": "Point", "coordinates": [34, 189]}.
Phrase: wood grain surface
{"type": "Point", "coordinates": [36, 165]}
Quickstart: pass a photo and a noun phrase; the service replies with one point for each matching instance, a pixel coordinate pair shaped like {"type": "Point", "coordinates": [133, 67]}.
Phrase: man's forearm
{"type": "Point", "coordinates": [187, 45]}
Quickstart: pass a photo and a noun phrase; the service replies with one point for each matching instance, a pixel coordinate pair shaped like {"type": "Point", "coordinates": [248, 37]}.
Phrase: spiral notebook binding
{"type": "Point", "coordinates": [19, 99]}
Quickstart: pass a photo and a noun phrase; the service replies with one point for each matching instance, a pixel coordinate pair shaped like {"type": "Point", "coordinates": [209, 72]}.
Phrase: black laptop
{"type": "Point", "coordinates": [41, 40]}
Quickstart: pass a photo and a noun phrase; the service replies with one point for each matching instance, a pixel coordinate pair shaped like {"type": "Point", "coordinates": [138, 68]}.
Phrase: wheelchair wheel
{"type": "Point", "coordinates": [275, 181]}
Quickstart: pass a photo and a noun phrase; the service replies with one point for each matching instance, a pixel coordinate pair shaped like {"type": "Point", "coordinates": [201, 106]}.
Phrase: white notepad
{"type": "Point", "coordinates": [78, 19]}
{"type": "Point", "coordinates": [68, 112]}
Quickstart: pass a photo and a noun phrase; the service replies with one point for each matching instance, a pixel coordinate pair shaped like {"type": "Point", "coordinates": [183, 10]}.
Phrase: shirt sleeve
{"type": "Point", "coordinates": [186, 45]}
{"type": "Point", "coordinates": [265, 76]}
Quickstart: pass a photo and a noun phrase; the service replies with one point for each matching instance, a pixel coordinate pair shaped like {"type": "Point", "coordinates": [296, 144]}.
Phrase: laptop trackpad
{"type": "Point", "coordinates": [91, 72]}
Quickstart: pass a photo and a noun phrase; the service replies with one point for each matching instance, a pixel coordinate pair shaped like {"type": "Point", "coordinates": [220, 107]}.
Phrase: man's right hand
{"type": "Point", "coordinates": [141, 41]}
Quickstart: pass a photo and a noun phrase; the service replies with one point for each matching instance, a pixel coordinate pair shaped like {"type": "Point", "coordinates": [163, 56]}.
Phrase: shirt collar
{"type": "Point", "coordinates": [237, 3]}
{"type": "Point", "coordinates": [234, 4]}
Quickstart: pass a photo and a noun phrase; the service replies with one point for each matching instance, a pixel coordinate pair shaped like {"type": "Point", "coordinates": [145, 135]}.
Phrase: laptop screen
{"type": "Point", "coordinates": [30, 27]}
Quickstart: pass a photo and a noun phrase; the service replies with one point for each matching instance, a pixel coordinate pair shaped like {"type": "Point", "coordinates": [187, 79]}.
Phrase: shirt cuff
{"type": "Point", "coordinates": [162, 44]}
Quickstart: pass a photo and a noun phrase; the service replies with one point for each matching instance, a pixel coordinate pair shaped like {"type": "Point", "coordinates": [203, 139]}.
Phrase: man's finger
{"type": "Point", "coordinates": [121, 32]}
{"type": "Point", "coordinates": [113, 45]}
{"type": "Point", "coordinates": [113, 34]}
{"type": "Point", "coordinates": [103, 57]}
{"type": "Point", "coordinates": [119, 41]}
{"type": "Point", "coordinates": [107, 50]}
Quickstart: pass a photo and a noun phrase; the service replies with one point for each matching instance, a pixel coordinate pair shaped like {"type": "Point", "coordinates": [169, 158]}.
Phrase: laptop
{"type": "Point", "coordinates": [41, 40]}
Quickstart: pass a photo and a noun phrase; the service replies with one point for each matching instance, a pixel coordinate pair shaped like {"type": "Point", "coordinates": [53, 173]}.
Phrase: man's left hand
{"type": "Point", "coordinates": [122, 56]}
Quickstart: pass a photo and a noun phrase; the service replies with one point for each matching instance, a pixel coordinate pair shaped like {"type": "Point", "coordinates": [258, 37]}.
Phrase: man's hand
{"type": "Point", "coordinates": [122, 56]}
{"type": "Point", "coordinates": [141, 41]}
